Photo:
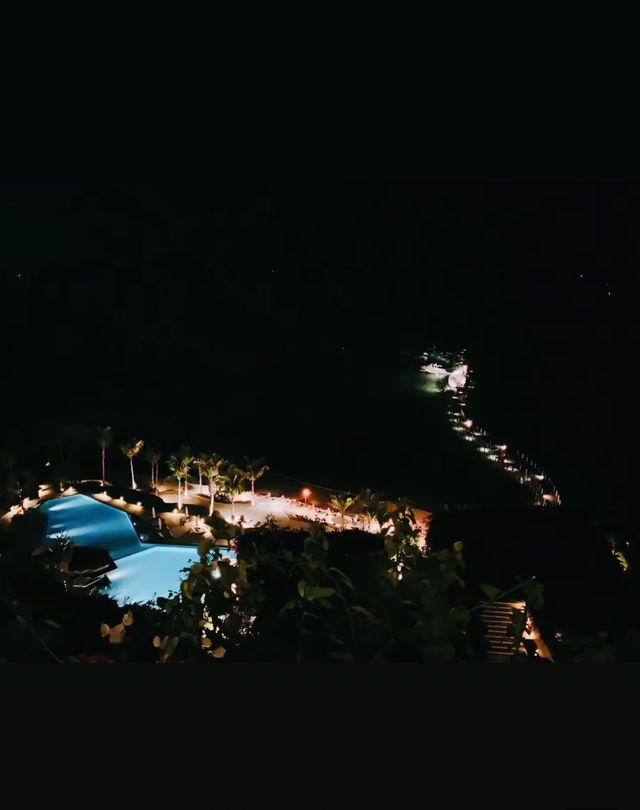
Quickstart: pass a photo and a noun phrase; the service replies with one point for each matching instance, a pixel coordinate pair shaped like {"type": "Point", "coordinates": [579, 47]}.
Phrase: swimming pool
{"type": "Point", "coordinates": [144, 570]}
{"type": "Point", "coordinates": [91, 523]}
{"type": "Point", "coordinates": [150, 573]}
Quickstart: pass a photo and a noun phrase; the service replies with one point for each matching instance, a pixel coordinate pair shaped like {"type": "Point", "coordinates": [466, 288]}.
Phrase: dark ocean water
{"type": "Point", "coordinates": [351, 419]}
{"type": "Point", "coordinates": [386, 428]}
{"type": "Point", "coordinates": [342, 420]}
{"type": "Point", "coordinates": [347, 421]}
{"type": "Point", "coordinates": [561, 392]}
{"type": "Point", "coordinates": [221, 322]}
{"type": "Point", "coordinates": [356, 417]}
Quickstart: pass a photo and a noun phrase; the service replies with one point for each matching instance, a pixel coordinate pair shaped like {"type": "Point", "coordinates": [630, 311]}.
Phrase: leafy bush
{"type": "Point", "coordinates": [287, 600]}
{"type": "Point", "coordinates": [42, 619]}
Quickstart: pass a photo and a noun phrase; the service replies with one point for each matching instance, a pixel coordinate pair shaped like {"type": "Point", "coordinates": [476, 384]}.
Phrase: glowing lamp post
{"type": "Point", "coordinates": [305, 494]}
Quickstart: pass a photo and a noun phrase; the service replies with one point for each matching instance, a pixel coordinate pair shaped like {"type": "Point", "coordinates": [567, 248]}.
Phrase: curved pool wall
{"type": "Point", "coordinates": [144, 570]}
{"type": "Point", "coordinates": [91, 523]}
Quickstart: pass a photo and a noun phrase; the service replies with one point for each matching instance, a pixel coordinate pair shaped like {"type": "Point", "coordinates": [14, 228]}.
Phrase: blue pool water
{"type": "Point", "coordinates": [145, 570]}
{"type": "Point", "coordinates": [91, 523]}
{"type": "Point", "coordinates": [150, 573]}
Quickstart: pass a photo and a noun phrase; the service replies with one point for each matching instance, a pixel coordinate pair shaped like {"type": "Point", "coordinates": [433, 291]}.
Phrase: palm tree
{"type": "Point", "coordinates": [211, 469]}
{"type": "Point", "coordinates": [368, 503]}
{"type": "Point", "coordinates": [175, 471]}
{"type": "Point", "coordinates": [153, 457]}
{"type": "Point", "coordinates": [341, 502]}
{"type": "Point", "coordinates": [131, 450]}
{"type": "Point", "coordinates": [105, 437]}
{"type": "Point", "coordinates": [179, 466]}
{"type": "Point", "coordinates": [201, 463]}
{"type": "Point", "coordinates": [186, 459]}
{"type": "Point", "coordinates": [255, 469]}
{"type": "Point", "coordinates": [233, 483]}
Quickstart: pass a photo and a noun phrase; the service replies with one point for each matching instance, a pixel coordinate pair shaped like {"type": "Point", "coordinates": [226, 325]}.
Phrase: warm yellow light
{"type": "Point", "coordinates": [306, 492]}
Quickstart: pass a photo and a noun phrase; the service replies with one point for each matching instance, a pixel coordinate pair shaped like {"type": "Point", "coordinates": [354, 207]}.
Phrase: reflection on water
{"type": "Point", "coordinates": [143, 572]}
{"type": "Point", "coordinates": [90, 523]}
{"type": "Point", "coordinates": [428, 384]}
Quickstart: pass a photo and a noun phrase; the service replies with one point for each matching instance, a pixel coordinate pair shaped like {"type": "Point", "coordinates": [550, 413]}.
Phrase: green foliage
{"type": "Point", "coordinates": [368, 503]}
{"type": "Point", "coordinates": [179, 465]}
{"type": "Point", "coordinates": [255, 469]}
{"type": "Point", "coordinates": [306, 599]}
{"type": "Point", "coordinates": [232, 480]}
{"type": "Point", "coordinates": [290, 597]}
{"type": "Point", "coordinates": [220, 529]}
{"type": "Point", "coordinates": [132, 449]}
{"type": "Point", "coordinates": [43, 619]}
{"type": "Point", "coordinates": [342, 502]}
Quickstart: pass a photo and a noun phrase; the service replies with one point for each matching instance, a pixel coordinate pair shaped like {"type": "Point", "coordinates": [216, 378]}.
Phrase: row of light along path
{"type": "Point", "coordinates": [516, 464]}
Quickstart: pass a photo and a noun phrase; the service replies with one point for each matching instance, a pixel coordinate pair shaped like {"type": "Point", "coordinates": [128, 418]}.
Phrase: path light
{"type": "Point", "coordinates": [305, 494]}
{"type": "Point", "coordinates": [468, 423]}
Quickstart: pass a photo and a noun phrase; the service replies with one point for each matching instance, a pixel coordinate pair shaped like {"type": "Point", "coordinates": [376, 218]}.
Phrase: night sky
{"type": "Point", "coordinates": [320, 210]}
{"type": "Point", "coordinates": [113, 293]}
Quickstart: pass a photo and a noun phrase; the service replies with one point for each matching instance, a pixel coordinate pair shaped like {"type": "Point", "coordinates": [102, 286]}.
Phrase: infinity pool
{"type": "Point", "coordinates": [144, 570]}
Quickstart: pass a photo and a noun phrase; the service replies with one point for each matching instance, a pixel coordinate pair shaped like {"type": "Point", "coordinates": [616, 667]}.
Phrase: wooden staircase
{"type": "Point", "coordinates": [495, 618]}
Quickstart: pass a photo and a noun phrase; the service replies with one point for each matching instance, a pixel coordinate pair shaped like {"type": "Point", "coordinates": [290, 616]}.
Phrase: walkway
{"type": "Point", "coordinates": [525, 471]}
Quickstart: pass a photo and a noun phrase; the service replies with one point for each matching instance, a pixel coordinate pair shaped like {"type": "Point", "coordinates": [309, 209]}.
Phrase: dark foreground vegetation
{"type": "Point", "coordinates": [309, 596]}
{"type": "Point", "coordinates": [291, 597]}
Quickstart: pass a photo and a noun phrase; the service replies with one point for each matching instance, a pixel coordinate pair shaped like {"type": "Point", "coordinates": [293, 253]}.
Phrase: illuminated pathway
{"type": "Point", "coordinates": [523, 469]}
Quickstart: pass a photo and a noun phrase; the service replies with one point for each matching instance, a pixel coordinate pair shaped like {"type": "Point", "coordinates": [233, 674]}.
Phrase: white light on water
{"type": "Point", "coordinates": [457, 378]}
{"type": "Point", "coordinates": [456, 382]}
